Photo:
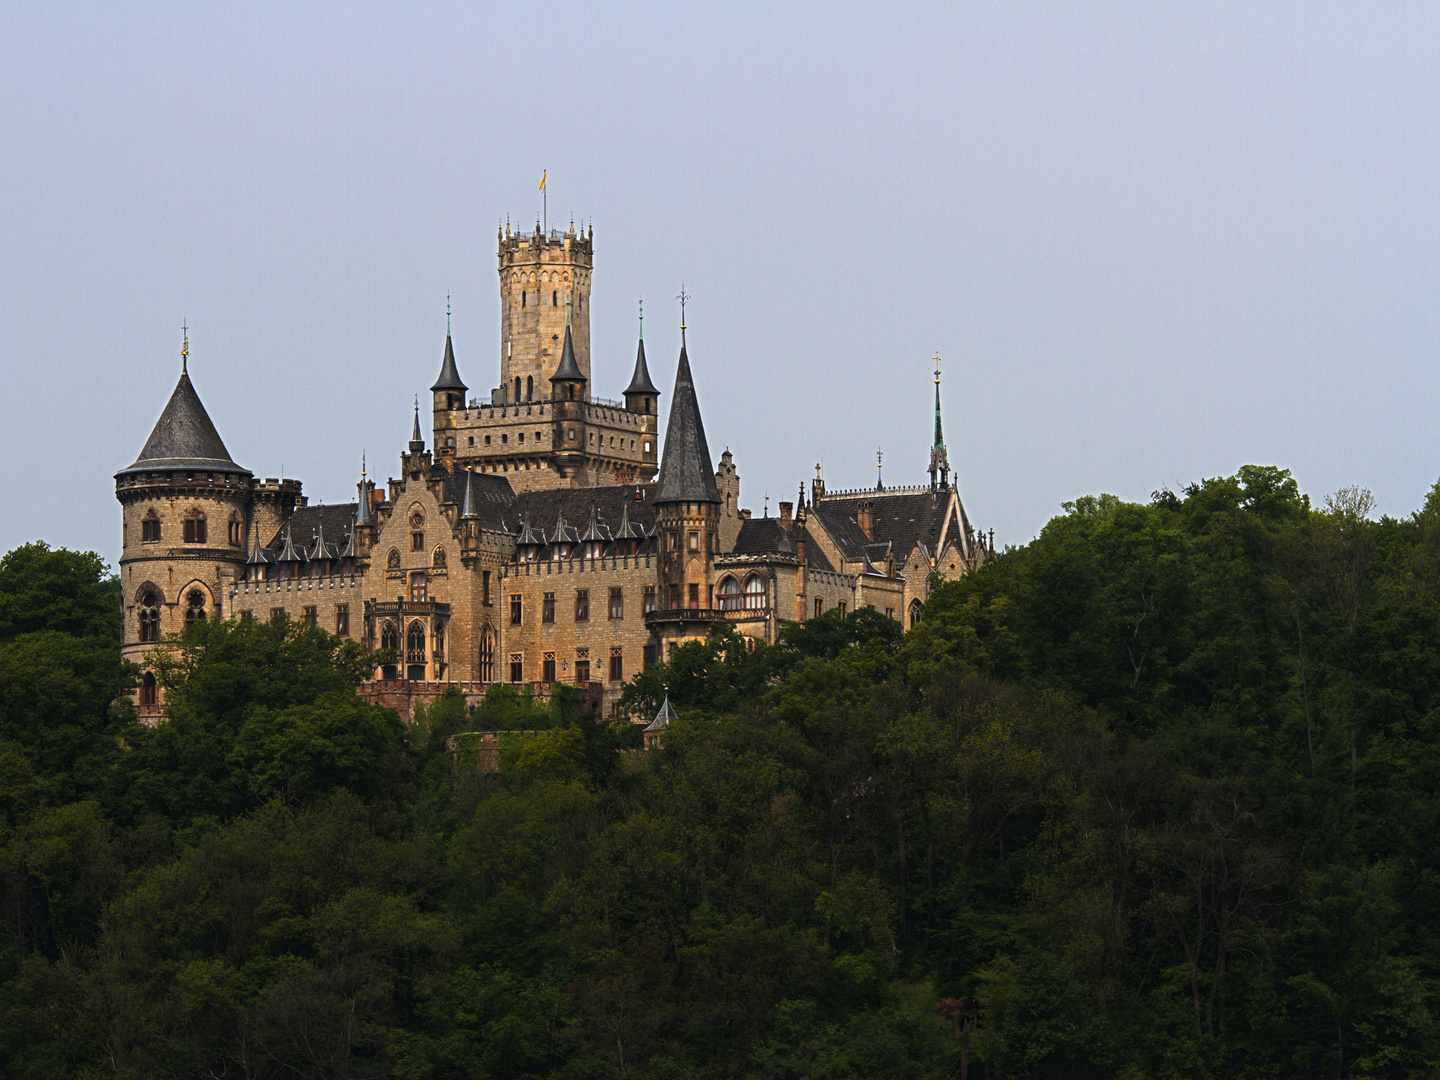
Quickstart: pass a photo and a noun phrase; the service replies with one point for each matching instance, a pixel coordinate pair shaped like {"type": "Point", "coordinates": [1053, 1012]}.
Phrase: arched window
{"type": "Point", "coordinates": [415, 651]}
{"type": "Point", "coordinates": [149, 690]}
{"type": "Point", "coordinates": [149, 605]}
{"type": "Point", "coordinates": [554, 297]}
{"type": "Point", "coordinates": [389, 638]}
{"type": "Point", "coordinates": [523, 300]}
{"type": "Point", "coordinates": [529, 387]}
{"type": "Point", "coordinates": [914, 612]}
{"type": "Point", "coordinates": [754, 593]}
{"type": "Point", "coordinates": [194, 527]}
{"type": "Point", "coordinates": [729, 594]}
{"type": "Point", "coordinates": [150, 527]}
{"type": "Point", "coordinates": [236, 539]}
{"type": "Point", "coordinates": [517, 389]}
{"type": "Point", "coordinates": [194, 606]}
{"type": "Point", "coordinates": [487, 655]}
{"type": "Point", "coordinates": [438, 559]}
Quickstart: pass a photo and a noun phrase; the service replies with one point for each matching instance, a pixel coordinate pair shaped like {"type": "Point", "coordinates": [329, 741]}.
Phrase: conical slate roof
{"type": "Point", "coordinates": [449, 375]}
{"type": "Point", "coordinates": [686, 472]}
{"type": "Point", "coordinates": [470, 508]}
{"type": "Point", "coordinates": [569, 370]}
{"type": "Point", "coordinates": [184, 438]}
{"type": "Point", "coordinates": [664, 718]}
{"type": "Point", "coordinates": [640, 381]}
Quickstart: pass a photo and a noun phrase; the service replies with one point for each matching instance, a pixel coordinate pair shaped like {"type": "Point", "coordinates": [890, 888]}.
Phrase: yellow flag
{"type": "Point", "coordinates": [543, 175]}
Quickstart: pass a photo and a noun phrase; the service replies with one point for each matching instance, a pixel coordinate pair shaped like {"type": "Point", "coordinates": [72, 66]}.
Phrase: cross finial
{"type": "Point", "coordinates": [185, 346]}
{"type": "Point", "coordinates": [683, 297]}
{"type": "Point", "coordinates": [937, 368]}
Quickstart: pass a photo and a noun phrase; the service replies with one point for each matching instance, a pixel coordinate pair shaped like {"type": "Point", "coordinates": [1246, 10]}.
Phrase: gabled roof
{"type": "Point", "coordinates": [330, 521]}
{"type": "Point", "coordinates": [184, 438]}
{"type": "Point", "coordinates": [492, 492]}
{"type": "Point", "coordinates": [258, 554]}
{"type": "Point", "coordinates": [687, 474]}
{"type": "Point", "coordinates": [543, 510]}
{"type": "Point", "coordinates": [640, 381]}
{"type": "Point", "coordinates": [902, 520]}
{"type": "Point", "coordinates": [449, 375]}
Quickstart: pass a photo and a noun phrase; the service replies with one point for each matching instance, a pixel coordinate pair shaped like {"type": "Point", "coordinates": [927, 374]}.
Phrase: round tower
{"type": "Point", "coordinates": [538, 274]}
{"type": "Point", "coordinates": [185, 517]}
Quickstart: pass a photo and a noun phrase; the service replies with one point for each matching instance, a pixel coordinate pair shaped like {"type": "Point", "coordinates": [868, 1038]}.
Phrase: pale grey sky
{"type": "Point", "coordinates": [1152, 242]}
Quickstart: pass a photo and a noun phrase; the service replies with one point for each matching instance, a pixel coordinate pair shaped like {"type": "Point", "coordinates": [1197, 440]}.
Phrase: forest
{"type": "Point", "coordinates": [1155, 795]}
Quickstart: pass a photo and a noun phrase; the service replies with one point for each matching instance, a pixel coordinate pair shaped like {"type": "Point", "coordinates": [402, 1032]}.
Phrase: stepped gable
{"type": "Point", "coordinates": [687, 473]}
{"type": "Point", "coordinates": [545, 509]}
{"type": "Point", "coordinates": [766, 536]}
{"type": "Point", "coordinates": [184, 438]}
{"type": "Point", "coordinates": [306, 523]}
{"type": "Point", "coordinates": [902, 519]}
{"type": "Point", "coordinates": [493, 495]}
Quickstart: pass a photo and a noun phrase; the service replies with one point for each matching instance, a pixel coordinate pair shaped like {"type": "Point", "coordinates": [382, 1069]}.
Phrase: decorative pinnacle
{"type": "Point", "coordinates": [185, 347]}
{"type": "Point", "coordinates": [362, 465]}
{"type": "Point", "coordinates": [683, 297]}
{"type": "Point", "coordinates": [447, 314]}
{"type": "Point", "coordinates": [642, 318]}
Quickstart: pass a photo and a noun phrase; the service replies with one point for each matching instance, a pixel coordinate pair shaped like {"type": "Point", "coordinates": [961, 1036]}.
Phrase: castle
{"type": "Point", "coordinates": [546, 535]}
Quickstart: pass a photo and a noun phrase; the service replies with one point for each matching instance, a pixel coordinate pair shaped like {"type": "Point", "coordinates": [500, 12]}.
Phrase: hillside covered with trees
{"type": "Point", "coordinates": [1156, 795]}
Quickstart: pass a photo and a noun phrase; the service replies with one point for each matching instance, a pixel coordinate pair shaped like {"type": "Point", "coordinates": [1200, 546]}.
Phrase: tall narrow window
{"type": "Point", "coordinates": [487, 655]}
{"type": "Point", "coordinates": [674, 598]}
{"type": "Point", "coordinates": [193, 528]}
{"type": "Point", "coordinates": [648, 599]}
{"type": "Point", "coordinates": [342, 620]}
{"type": "Point", "coordinates": [517, 396]}
{"type": "Point", "coordinates": [754, 593]}
{"type": "Point", "coordinates": [529, 390]}
{"type": "Point", "coordinates": [617, 664]}
{"type": "Point", "coordinates": [235, 538]}
{"type": "Point", "coordinates": [150, 528]}
{"type": "Point", "coordinates": [485, 587]}
{"type": "Point", "coordinates": [547, 667]}
{"type": "Point", "coordinates": [617, 604]}
{"type": "Point", "coordinates": [517, 667]}
{"type": "Point", "coordinates": [194, 607]}
{"type": "Point", "coordinates": [840, 607]}
{"type": "Point", "coordinates": [149, 689]}
{"type": "Point", "coordinates": [582, 672]}
{"type": "Point", "coordinates": [914, 612]}
{"type": "Point", "coordinates": [312, 617]}
{"type": "Point", "coordinates": [415, 651]}
{"type": "Point", "coordinates": [652, 654]}
{"type": "Point", "coordinates": [582, 605]}
{"type": "Point", "coordinates": [819, 607]}
{"type": "Point", "coordinates": [523, 302]}
{"type": "Point", "coordinates": [547, 607]}
{"type": "Point", "coordinates": [417, 587]}
{"type": "Point", "coordinates": [149, 605]}
{"type": "Point", "coordinates": [694, 596]}
{"type": "Point", "coordinates": [729, 594]}
{"type": "Point", "coordinates": [515, 611]}
{"type": "Point", "coordinates": [554, 297]}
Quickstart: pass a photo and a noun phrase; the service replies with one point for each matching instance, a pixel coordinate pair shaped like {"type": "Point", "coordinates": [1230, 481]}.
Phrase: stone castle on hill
{"type": "Point", "coordinates": [545, 535]}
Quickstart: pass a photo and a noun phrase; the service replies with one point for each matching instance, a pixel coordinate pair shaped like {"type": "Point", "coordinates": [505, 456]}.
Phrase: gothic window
{"type": "Point", "coordinates": [647, 604]}
{"type": "Point", "coordinates": [150, 528]}
{"type": "Point", "coordinates": [439, 639]}
{"type": "Point", "coordinates": [485, 587]}
{"type": "Point", "coordinates": [914, 612]}
{"type": "Point", "coordinates": [487, 655]}
{"type": "Point", "coordinates": [417, 541]}
{"type": "Point", "coordinates": [529, 389]}
{"type": "Point", "coordinates": [194, 607]}
{"type": "Point", "coordinates": [819, 607]}
{"type": "Point", "coordinates": [554, 297]}
{"type": "Point", "coordinates": [438, 559]}
{"type": "Point", "coordinates": [729, 594]}
{"type": "Point", "coordinates": [389, 637]}
{"type": "Point", "coordinates": [694, 596]}
{"type": "Point", "coordinates": [754, 593]}
{"type": "Point", "coordinates": [149, 691]}
{"type": "Point", "coordinates": [515, 611]}
{"type": "Point", "coordinates": [194, 527]}
{"type": "Point", "coordinates": [235, 537]}
{"type": "Point", "coordinates": [674, 598]}
{"type": "Point", "coordinates": [342, 620]}
{"type": "Point", "coordinates": [517, 396]}
{"type": "Point", "coordinates": [149, 605]}
{"type": "Point", "coordinates": [415, 643]}
{"type": "Point", "coordinates": [392, 561]}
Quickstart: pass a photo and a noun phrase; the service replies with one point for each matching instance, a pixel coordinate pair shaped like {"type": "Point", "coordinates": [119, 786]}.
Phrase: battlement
{"type": "Point", "coordinates": [573, 244]}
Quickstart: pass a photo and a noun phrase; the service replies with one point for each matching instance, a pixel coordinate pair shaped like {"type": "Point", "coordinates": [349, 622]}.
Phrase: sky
{"type": "Point", "coordinates": [1151, 242]}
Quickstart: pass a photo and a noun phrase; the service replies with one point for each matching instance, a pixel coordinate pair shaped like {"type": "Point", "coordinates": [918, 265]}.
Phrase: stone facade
{"type": "Point", "coordinates": [542, 540]}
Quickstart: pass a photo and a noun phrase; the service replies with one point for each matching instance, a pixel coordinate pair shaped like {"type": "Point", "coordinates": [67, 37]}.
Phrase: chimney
{"type": "Point", "coordinates": [786, 512]}
{"type": "Point", "coordinates": [866, 520]}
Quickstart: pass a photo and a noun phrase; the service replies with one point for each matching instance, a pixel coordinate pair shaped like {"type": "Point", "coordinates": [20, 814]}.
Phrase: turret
{"type": "Point", "coordinates": [449, 395]}
{"type": "Point", "coordinates": [567, 392]}
{"type": "Point", "coordinates": [641, 395]}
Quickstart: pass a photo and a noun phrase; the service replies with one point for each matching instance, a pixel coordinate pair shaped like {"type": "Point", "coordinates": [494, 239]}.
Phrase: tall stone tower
{"type": "Point", "coordinates": [687, 514]}
{"type": "Point", "coordinates": [539, 273]}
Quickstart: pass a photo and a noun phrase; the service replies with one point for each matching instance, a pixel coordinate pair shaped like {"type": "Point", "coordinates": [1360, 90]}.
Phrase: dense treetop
{"type": "Point", "coordinates": [1154, 795]}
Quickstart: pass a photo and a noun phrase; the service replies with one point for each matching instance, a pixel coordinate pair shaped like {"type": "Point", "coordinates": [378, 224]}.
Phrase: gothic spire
{"type": "Point", "coordinates": [363, 514]}
{"type": "Point", "coordinates": [569, 370]}
{"type": "Point", "coordinates": [470, 508]}
{"type": "Point", "coordinates": [184, 437]}
{"type": "Point", "coordinates": [640, 381]}
{"type": "Point", "coordinates": [686, 472]}
{"type": "Point", "coordinates": [417, 441]}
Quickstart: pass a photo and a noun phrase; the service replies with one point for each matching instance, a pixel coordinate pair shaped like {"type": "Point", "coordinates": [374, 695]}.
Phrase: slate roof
{"type": "Point", "coordinates": [568, 370]}
{"type": "Point", "coordinates": [902, 520]}
{"type": "Point", "coordinates": [766, 536]}
{"type": "Point", "coordinates": [664, 718]}
{"type": "Point", "coordinates": [492, 492]}
{"type": "Point", "coordinates": [687, 472]}
{"type": "Point", "coordinates": [184, 438]}
{"type": "Point", "coordinates": [449, 375]}
{"type": "Point", "coordinates": [640, 381]}
{"type": "Point", "coordinates": [306, 524]}
{"type": "Point", "coordinates": [544, 509]}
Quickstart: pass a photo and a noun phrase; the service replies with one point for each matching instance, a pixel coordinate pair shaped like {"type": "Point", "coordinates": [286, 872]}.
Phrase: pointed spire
{"type": "Point", "coordinates": [664, 718]}
{"type": "Point", "coordinates": [939, 459]}
{"type": "Point", "coordinates": [184, 437]}
{"type": "Point", "coordinates": [470, 508]}
{"type": "Point", "coordinates": [449, 374]}
{"type": "Point", "coordinates": [185, 347]}
{"type": "Point", "coordinates": [258, 554]}
{"type": "Point", "coordinates": [417, 441]}
{"type": "Point", "coordinates": [640, 382]}
{"type": "Point", "coordinates": [363, 514]}
{"type": "Point", "coordinates": [939, 436]}
{"type": "Point", "coordinates": [569, 370]}
{"type": "Point", "coordinates": [686, 472]}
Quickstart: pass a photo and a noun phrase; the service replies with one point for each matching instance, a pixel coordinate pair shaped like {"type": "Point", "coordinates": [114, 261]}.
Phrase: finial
{"type": "Point", "coordinates": [879, 469]}
{"type": "Point", "coordinates": [362, 465]}
{"type": "Point", "coordinates": [567, 312]}
{"type": "Point", "coordinates": [447, 314]}
{"type": "Point", "coordinates": [642, 318]}
{"type": "Point", "coordinates": [817, 470]}
{"type": "Point", "coordinates": [185, 347]}
{"type": "Point", "coordinates": [767, 504]}
{"type": "Point", "coordinates": [683, 297]}
{"type": "Point", "coordinates": [937, 369]}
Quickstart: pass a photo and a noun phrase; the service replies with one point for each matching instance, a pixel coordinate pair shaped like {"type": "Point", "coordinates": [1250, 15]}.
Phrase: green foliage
{"type": "Point", "coordinates": [1152, 796]}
